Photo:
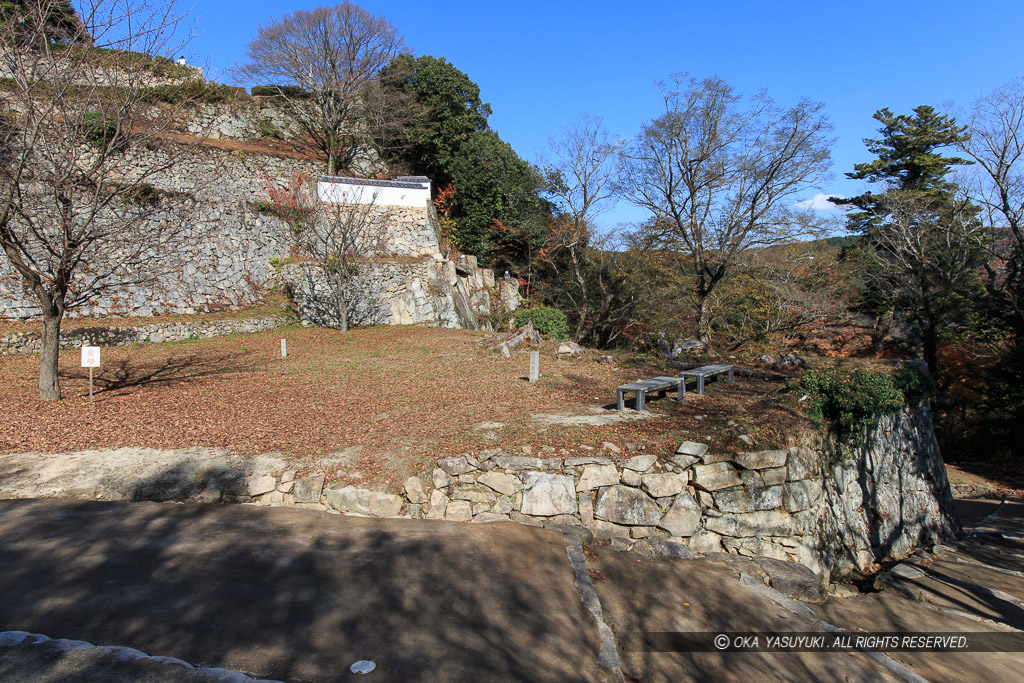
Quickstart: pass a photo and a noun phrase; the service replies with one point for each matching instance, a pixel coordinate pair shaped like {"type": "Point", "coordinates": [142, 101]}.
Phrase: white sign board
{"type": "Point", "coordinates": [90, 356]}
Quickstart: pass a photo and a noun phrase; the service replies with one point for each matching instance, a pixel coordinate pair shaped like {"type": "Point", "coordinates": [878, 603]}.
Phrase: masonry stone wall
{"type": "Point", "coordinates": [223, 258]}
{"type": "Point", "coordinates": [430, 291]}
{"type": "Point", "coordinates": [833, 507]}
{"type": "Point", "coordinates": [124, 335]}
{"type": "Point", "coordinates": [410, 232]}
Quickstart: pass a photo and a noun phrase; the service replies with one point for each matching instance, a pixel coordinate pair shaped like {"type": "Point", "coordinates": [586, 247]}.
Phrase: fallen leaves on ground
{"type": "Point", "coordinates": [407, 395]}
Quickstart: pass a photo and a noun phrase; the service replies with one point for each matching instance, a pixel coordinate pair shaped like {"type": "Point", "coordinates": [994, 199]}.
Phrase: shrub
{"type": "Point", "coordinates": [99, 129]}
{"type": "Point", "coordinates": [267, 129]}
{"type": "Point", "coordinates": [290, 91]}
{"type": "Point", "coordinates": [848, 400]}
{"type": "Point", "coordinates": [189, 91]}
{"type": "Point", "coordinates": [293, 215]}
{"type": "Point", "coordinates": [913, 380]}
{"type": "Point", "coordinates": [142, 194]}
{"type": "Point", "coordinates": [550, 322]}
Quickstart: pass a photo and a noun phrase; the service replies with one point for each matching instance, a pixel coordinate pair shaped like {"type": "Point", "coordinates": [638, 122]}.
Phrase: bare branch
{"type": "Point", "coordinates": [718, 179]}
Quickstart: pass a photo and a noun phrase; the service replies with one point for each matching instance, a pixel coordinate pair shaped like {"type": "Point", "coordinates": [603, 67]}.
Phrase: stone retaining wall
{"type": "Point", "coordinates": [881, 500]}
{"type": "Point", "coordinates": [431, 292]}
{"type": "Point", "coordinates": [223, 255]}
{"type": "Point", "coordinates": [123, 335]}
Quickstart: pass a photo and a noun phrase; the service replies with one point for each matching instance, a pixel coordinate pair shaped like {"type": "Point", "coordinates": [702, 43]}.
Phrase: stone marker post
{"type": "Point", "coordinates": [534, 366]}
{"type": "Point", "coordinates": [284, 348]}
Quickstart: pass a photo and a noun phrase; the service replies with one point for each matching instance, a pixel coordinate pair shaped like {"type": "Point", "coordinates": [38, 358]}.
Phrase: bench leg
{"type": "Point", "coordinates": [620, 402]}
{"type": "Point", "coordinates": [730, 375]}
{"type": "Point", "coordinates": [700, 385]}
{"type": "Point", "coordinates": [641, 399]}
{"type": "Point", "coordinates": [681, 391]}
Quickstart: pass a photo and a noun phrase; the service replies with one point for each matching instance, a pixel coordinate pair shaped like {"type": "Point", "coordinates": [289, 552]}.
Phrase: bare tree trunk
{"type": "Point", "coordinates": [583, 308]}
{"type": "Point", "coordinates": [49, 386]}
{"type": "Point", "coordinates": [883, 323]}
{"type": "Point", "coordinates": [704, 321]}
{"type": "Point", "coordinates": [931, 348]}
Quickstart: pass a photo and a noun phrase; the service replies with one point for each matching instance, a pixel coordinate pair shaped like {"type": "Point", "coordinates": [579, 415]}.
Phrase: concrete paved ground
{"type": "Point", "coordinates": [701, 596]}
{"type": "Point", "coordinates": [299, 595]}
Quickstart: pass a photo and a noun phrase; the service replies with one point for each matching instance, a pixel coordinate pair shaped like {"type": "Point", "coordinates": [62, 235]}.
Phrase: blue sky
{"type": "Point", "coordinates": [542, 64]}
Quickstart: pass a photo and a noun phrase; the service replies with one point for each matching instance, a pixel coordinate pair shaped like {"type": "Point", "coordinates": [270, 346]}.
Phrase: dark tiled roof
{"type": "Point", "coordinates": [406, 184]}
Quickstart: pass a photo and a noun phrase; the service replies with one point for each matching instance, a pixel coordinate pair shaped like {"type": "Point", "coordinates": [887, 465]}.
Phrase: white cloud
{"type": "Point", "coordinates": [819, 202]}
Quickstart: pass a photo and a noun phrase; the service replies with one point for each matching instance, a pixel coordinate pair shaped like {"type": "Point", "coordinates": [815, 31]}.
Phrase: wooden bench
{"type": "Point", "coordinates": [659, 384]}
{"type": "Point", "coordinates": [702, 373]}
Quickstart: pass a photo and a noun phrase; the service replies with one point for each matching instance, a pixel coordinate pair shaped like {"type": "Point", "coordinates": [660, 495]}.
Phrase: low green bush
{"type": "Point", "coordinates": [267, 129]}
{"type": "Point", "coordinates": [189, 91]}
{"type": "Point", "coordinates": [912, 379]}
{"type": "Point", "coordinates": [550, 322]}
{"type": "Point", "coordinates": [99, 128]}
{"type": "Point", "coordinates": [849, 400]}
{"type": "Point", "coordinates": [289, 91]}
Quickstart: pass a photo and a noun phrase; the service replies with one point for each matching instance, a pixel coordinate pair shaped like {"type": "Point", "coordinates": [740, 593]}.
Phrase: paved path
{"type": "Point", "coordinates": [297, 595]}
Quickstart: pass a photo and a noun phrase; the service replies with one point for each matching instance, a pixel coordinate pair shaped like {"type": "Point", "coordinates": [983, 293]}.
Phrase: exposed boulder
{"type": "Point", "coordinates": [697, 450]}
{"type": "Point", "coordinates": [681, 346]}
{"type": "Point", "coordinates": [414, 490]}
{"type": "Point", "coordinates": [749, 499]}
{"type": "Point", "coordinates": [571, 349]}
{"type": "Point", "coordinates": [505, 484]}
{"type": "Point", "coordinates": [792, 579]}
{"type": "Point", "coordinates": [720, 475]}
{"type": "Point", "coordinates": [662, 485]}
{"type": "Point", "coordinates": [309, 489]}
{"type": "Point", "coordinates": [640, 463]}
{"type": "Point", "coordinates": [598, 476]}
{"type": "Point", "coordinates": [455, 466]}
{"type": "Point", "coordinates": [760, 460]}
{"type": "Point", "coordinates": [364, 502]}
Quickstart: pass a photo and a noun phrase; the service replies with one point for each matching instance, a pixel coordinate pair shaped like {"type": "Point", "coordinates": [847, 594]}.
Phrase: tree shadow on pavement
{"type": "Point", "coordinates": [297, 594]}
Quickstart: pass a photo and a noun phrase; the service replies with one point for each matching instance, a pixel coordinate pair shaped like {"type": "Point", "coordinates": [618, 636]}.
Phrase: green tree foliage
{"type": "Point", "coordinates": [61, 22]}
{"type": "Point", "coordinates": [451, 111]}
{"type": "Point", "coordinates": [850, 400]}
{"type": "Point", "coordinates": [909, 157]}
{"type": "Point", "coordinates": [923, 238]}
{"type": "Point", "coordinates": [496, 209]}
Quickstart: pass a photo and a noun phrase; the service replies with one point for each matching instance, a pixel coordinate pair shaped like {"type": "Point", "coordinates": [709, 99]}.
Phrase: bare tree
{"type": "Point", "coordinates": [340, 240]}
{"type": "Point", "coordinates": [334, 55]}
{"type": "Point", "coordinates": [579, 178]}
{"type": "Point", "coordinates": [718, 179]}
{"type": "Point", "coordinates": [996, 145]}
{"type": "Point", "coordinates": [781, 290]}
{"type": "Point", "coordinates": [926, 252]}
{"type": "Point", "coordinates": [79, 215]}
